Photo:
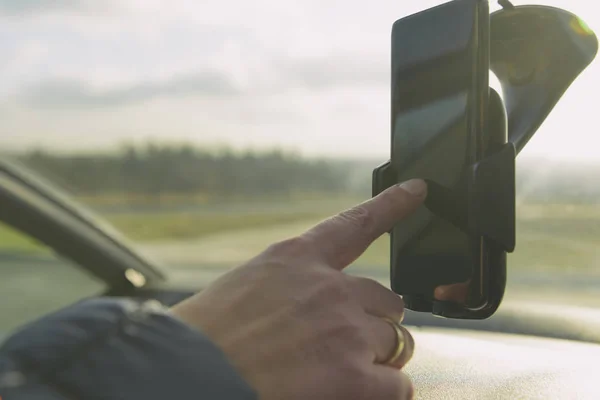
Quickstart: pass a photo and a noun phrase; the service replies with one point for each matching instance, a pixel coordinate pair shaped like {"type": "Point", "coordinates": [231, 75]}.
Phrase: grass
{"type": "Point", "coordinates": [15, 242]}
{"type": "Point", "coordinates": [549, 237]}
{"type": "Point", "coordinates": [173, 223]}
{"type": "Point", "coordinates": [174, 226]}
{"type": "Point", "coordinates": [558, 237]}
{"type": "Point", "coordinates": [111, 200]}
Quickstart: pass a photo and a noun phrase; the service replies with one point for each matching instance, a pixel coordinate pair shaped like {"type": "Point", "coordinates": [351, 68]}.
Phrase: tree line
{"type": "Point", "coordinates": [154, 170]}
{"type": "Point", "coordinates": [185, 169]}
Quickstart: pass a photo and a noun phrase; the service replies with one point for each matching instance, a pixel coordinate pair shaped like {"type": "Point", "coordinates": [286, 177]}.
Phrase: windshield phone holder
{"type": "Point", "coordinates": [536, 52]}
{"type": "Point", "coordinates": [482, 203]}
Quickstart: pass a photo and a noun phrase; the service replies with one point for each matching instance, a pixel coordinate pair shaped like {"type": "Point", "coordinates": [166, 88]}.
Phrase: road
{"type": "Point", "coordinates": [205, 259]}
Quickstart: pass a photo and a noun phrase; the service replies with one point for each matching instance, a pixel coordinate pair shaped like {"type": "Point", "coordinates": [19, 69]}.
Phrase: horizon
{"type": "Point", "coordinates": [530, 162]}
{"type": "Point", "coordinates": [83, 76]}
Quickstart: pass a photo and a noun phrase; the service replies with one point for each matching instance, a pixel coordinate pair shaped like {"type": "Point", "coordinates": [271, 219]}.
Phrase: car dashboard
{"type": "Point", "coordinates": [524, 351]}
{"type": "Point", "coordinates": [459, 364]}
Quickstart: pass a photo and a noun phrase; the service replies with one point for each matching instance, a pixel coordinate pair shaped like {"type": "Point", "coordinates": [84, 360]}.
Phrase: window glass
{"type": "Point", "coordinates": [35, 281]}
{"type": "Point", "coordinates": [206, 130]}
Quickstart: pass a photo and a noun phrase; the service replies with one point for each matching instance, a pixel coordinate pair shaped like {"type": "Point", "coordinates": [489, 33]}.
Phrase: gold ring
{"type": "Point", "coordinates": [399, 341]}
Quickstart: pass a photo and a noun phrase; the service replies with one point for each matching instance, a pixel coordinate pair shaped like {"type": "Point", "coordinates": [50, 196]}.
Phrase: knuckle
{"type": "Point", "coordinates": [387, 299]}
{"type": "Point", "coordinates": [326, 295]}
{"type": "Point", "coordinates": [359, 217]}
{"type": "Point", "coordinates": [349, 334]}
{"type": "Point", "coordinates": [294, 246]}
{"type": "Point", "coordinates": [358, 341]}
{"type": "Point", "coordinates": [371, 284]}
{"type": "Point", "coordinates": [332, 288]}
{"type": "Point", "coordinates": [337, 291]}
{"type": "Point", "coordinates": [339, 341]}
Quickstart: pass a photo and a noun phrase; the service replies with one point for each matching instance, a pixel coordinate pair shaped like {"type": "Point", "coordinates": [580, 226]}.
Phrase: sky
{"type": "Point", "coordinates": [311, 75]}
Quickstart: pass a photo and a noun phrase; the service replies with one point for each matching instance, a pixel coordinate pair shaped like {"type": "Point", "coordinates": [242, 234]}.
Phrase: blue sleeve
{"type": "Point", "coordinates": [115, 349]}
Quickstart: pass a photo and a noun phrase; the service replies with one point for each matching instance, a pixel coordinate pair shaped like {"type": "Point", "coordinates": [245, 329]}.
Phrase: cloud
{"type": "Point", "coordinates": [311, 75]}
{"type": "Point", "coordinates": [314, 74]}
{"type": "Point", "coordinates": [349, 70]}
{"type": "Point", "coordinates": [37, 7]}
{"type": "Point", "coordinates": [69, 93]}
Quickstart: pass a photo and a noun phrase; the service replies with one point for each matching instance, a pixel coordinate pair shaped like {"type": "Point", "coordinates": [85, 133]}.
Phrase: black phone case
{"type": "Point", "coordinates": [482, 205]}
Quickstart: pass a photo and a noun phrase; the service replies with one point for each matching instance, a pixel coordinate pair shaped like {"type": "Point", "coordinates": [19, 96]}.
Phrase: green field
{"type": "Point", "coordinates": [563, 237]}
{"type": "Point", "coordinates": [173, 226]}
{"type": "Point", "coordinates": [167, 222]}
{"type": "Point", "coordinates": [549, 237]}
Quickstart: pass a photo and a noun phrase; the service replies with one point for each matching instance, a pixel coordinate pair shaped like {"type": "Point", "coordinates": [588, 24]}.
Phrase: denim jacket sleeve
{"type": "Point", "coordinates": [115, 349]}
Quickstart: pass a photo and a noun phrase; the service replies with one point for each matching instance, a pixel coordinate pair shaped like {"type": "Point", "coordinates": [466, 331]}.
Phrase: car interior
{"type": "Point", "coordinates": [539, 340]}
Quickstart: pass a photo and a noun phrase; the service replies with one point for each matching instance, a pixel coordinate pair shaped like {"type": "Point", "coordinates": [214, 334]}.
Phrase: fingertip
{"type": "Point", "coordinates": [410, 391]}
{"type": "Point", "coordinates": [456, 292]}
{"type": "Point", "coordinates": [409, 388]}
{"type": "Point", "coordinates": [407, 391]}
{"type": "Point", "coordinates": [393, 385]}
{"type": "Point", "coordinates": [440, 292]}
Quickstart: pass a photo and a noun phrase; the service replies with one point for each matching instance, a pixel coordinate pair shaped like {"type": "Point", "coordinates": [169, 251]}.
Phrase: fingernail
{"type": "Point", "coordinates": [416, 187]}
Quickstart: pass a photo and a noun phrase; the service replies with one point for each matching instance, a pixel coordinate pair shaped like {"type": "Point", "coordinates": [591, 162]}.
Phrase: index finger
{"type": "Point", "coordinates": [343, 238]}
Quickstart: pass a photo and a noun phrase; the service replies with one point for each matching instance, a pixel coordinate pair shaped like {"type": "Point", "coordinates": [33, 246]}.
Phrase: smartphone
{"type": "Point", "coordinates": [439, 116]}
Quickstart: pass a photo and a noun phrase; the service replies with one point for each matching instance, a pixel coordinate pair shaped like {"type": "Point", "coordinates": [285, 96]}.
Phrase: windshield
{"type": "Point", "coordinates": [204, 131]}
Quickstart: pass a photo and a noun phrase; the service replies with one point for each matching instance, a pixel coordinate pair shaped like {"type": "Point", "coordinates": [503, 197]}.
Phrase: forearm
{"type": "Point", "coordinates": [113, 349]}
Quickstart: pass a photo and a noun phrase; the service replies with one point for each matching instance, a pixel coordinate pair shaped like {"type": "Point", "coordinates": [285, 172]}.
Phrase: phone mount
{"type": "Point", "coordinates": [482, 203]}
{"type": "Point", "coordinates": [536, 52]}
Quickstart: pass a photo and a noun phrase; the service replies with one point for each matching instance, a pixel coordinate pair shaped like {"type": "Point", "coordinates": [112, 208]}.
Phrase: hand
{"type": "Point", "coordinates": [296, 327]}
{"type": "Point", "coordinates": [455, 292]}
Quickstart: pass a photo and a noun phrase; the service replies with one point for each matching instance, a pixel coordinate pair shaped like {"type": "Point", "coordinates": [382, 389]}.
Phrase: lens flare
{"type": "Point", "coordinates": [580, 27]}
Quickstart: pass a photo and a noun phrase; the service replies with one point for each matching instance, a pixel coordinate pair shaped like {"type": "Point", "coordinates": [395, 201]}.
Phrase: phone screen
{"type": "Point", "coordinates": [439, 105]}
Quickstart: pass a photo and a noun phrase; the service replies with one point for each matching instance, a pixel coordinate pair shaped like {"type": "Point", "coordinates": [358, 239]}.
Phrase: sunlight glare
{"type": "Point", "coordinates": [570, 131]}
